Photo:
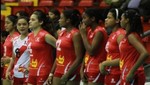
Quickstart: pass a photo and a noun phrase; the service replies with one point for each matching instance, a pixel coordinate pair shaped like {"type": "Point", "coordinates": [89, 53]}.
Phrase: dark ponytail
{"type": "Point", "coordinates": [134, 21]}
{"type": "Point", "coordinates": [73, 15]}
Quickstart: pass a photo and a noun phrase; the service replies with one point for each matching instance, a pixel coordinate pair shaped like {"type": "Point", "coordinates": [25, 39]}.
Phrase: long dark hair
{"type": "Point", "coordinates": [55, 11]}
{"type": "Point", "coordinates": [116, 13]}
{"type": "Point", "coordinates": [73, 15]}
{"type": "Point", "coordinates": [13, 19]}
{"type": "Point", "coordinates": [42, 17]}
{"type": "Point", "coordinates": [94, 12]}
{"type": "Point", "coordinates": [134, 21]}
{"type": "Point", "coordinates": [23, 13]}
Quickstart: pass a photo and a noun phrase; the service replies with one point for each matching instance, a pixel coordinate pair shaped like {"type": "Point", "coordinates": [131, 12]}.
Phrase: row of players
{"type": "Point", "coordinates": [84, 50]}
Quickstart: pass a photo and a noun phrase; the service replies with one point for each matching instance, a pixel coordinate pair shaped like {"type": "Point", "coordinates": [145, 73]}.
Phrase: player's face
{"type": "Point", "coordinates": [9, 25]}
{"type": "Point", "coordinates": [110, 21]}
{"type": "Point", "coordinates": [34, 22]}
{"type": "Point", "coordinates": [22, 26]}
{"type": "Point", "coordinates": [86, 19]}
{"type": "Point", "coordinates": [123, 21]}
{"type": "Point", "coordinates": [62, 20]}
{"type": "Point", "coordinates": [51, 15]}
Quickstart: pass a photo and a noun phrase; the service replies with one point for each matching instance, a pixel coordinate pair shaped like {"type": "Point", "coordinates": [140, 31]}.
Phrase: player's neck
{"type": "Point", "coordinates": [35, 31]}
{"type": "Point", "coordinates": [116, 27]}
{"type": "Point", "coordinates": [23, 36]}
{"type": "Point", "coordinates": [69, 28]}
{"type": "Point", "coordinates": [12, 32]}
{"type": "Point", "coordinates": [93, 26]}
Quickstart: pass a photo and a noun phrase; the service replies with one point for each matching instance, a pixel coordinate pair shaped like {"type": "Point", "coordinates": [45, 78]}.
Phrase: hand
{"type": "Point", "coordinates": [8, 75]}
{"type": "Point", "coordinates": [49, 80]}
{"type": "Point", "coordinates": [129, 77]}
{"type": "Point", "coordinates": [102, 68]}
{"type": "Point", "coordinates": [5, 60]}
{"type": "Point", "coordinates": [64, 80]}
{"type": "Point", "coordinates": [82, 28]}
{"type": "Point", "coordinates": [2, 64]}
{"type": "Point", "coordinates": [26, 71]}
{"type": "Point", "coordinates": [83, 76]}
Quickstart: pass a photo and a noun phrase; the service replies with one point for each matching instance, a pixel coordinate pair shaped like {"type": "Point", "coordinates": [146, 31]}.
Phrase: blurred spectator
{"type": "Point", "coordinates": [54, 16]}
{"type": "Point", "coordinates": [114, 3]}
{"type": "Point", "coordinates": [134, 3]}
{"type": "Point", "coordinates": [22, 13]}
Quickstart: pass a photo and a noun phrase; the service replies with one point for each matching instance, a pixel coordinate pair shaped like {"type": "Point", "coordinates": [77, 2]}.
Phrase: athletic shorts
{"type": "Point", "coordinates": [95, 77]}
{"type": "Point", "coordinates": [112, 79]}
{"type": "Point", "coordinates": [36, 80]}
{"type": "Point", "coordinates": [71, 78]}
{"type": "Point", "coordinates": [139, 79]}
{"type": "Point", "coordinates": [19, 81]}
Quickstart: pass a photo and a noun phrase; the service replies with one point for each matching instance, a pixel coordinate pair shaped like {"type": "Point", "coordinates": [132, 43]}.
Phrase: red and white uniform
{"type": "Point", "coordinates": [112, 48]}
{"type": "Point", "coordinates": [65, 53]}
{"type": "Point", "coordinates": [22, 59]}
{"type": "Point", "coordinates": [129, 56]}
{"type": "Point", "coordinates": [41, 59]}
{"type": "Point", "coordinates": [8, 44]}
{"type": "Point", "coordinates": [8, 49]}
{"type": "Point", "coordinates": [92, 62]}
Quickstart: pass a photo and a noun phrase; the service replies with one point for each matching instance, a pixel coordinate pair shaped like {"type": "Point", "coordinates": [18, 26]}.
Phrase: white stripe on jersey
{"type": "Point", "coordinates": [24, 58]}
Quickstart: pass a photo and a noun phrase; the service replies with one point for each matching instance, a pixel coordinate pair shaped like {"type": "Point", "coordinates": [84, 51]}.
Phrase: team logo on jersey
{"type": "Point", "coordinates": [109, 57]}
{"type": "Point", "coordinates": [37, 39]}
{"type": "Point", "coordinates": [121, 64]}
{"type": "Point", "coordinates": [6, 65]}
{"type": "Point", "coordinates": [60, 59]}
{"type": "Point", "coordinates": [34, 63]}
{"type": "Point", "coordinates": [25, 43]}
{"type": "Point", "coordinates": [86, 59]}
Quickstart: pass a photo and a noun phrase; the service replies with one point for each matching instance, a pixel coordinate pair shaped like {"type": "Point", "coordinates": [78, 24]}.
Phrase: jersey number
{"type": "Point", "coordinates": [58, 45]}
{"type": "Point", "coordinates": [30, 50]}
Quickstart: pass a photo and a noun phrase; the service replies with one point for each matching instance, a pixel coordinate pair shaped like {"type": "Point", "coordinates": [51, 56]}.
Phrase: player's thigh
{"type": "Point", "coordinates": [56, 81]}
{"type": "Point", "coordinates": [99, 83]}
{"type": "Point", "coordinates": [73, 82]}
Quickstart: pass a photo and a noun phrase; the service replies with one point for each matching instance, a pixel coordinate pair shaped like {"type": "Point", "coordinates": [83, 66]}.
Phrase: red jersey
{"type": "Point", "coordinates": [92, 62]}
{"type": "Point", "coordinates": [129, 56]}
{"type": "Point", "coordinates": [146, 41]}
{"type": "Point", "coordinates": [112, 48]}
{"type": "Point", "coordinates": [8, 44]}
{"type": "Point", "coordinates": [65, 51]}
{"type": "Point", "coordinates": [8, 49]}
{"type": "Point", "coordinates": [41, 59]}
